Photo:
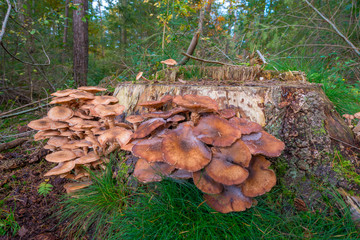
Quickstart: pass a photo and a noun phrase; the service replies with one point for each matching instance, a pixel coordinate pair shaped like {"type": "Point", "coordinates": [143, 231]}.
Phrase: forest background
{"type": "Point", "coordinates": [320, 37]}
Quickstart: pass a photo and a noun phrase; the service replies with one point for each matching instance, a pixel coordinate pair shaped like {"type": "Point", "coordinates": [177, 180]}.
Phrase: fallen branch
{"type": "Point", "coordinates": [26, 105]}
{"type": "Point", "coordinates": [348, 144]}
{"type": "Point", "coordinates": [208, 61]}
{"type": "Point", "coordinates": [12, 144]}
{"type": "Point", "coordinates": [22, 112]}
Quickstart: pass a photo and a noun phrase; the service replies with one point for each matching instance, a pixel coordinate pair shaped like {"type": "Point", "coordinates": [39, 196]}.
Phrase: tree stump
{"type": "Point", "coordinates": [285, 104]}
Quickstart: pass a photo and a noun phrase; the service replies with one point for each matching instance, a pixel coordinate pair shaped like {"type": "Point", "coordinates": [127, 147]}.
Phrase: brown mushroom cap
{"type": "Point", "coordinates": [60, 113]}
{"type": "Point", "coordinates": [225, 172]}
{"type": "Point", "coordinates": [166, 114]}
{"type": "Point", "coordinates": [151, 172]}
{"type": "Point", "coordinates": [230, 200]}
{"type": "Point", "coordinates": [216, 131]}
{"type": "Point", "coordinates": [62, 100]}
{"type": "Point", "coordinates": [148, 127]}
{"type": "Point", "coordinates": [134, 118]}
{"type": "Point", "coordinates": [245, 126]}
{"type": "Point", "coordinates": [227, 113]}
{"type": "Point", "coordinates": [61, 168]}
{"type": "Point", "coordinates": [176, 118]}
{"type": "Point", "coordinates": [41, 124]}
{"type": "Point", "coordinates": [119, 134]}
{"type": "Point", "coordinates": [76, 144]}
{"type": "Point", "coordinates": [157, 104]}
{"type": "Point", "coordinates": [82, 95]}
{"type": "Point", "coordinates": [139, 75]}
{"type": "Point", "coordinates": [357, 115]}
{"type": "Point", "coordinates": [58, 141]}
{"type": "Point", "coordinates": [108, 110]}
{"type": "Point", "coordinates": [88, 158]}
{"type": "Point", "coordinates": [81, 114]}
{"type": "Point", "coordinates": [64, 93]}
{"type": "Point", "coordinates": [196, 103]}
{"type": "Point", "coordinates": [49, 147]}
{"type": "Point", "coordinates": [183, 150]}
{"type": "Point", "coordinates": [205, 183]}
{"type": "Point", "coordinates": [263, 143]}
{"type": "Point", "coordinates": [45, 134]}
{"type": "Point", "coordinates": [149, 149]}
{"type": "Point", "coordinates": [105, 100]}
{"type": "Point", "coordinates": [60, 156]}
{"type": "Point", "coordinates": [169, 62]}
{"type": "Point", "coordinates": [180, 174]}
{"type": "Point", "coordinates": [92, 89]}
{"type": "Point", "coordinates": [72, 187]}
{"type": "Point", "coordinates": [237, 153]}
{"type": "Point", "coordinates": [260, 180]}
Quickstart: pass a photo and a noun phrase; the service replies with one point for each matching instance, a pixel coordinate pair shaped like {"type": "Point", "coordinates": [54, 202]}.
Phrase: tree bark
{"type": "Point", "coordinates": [81, 42]}
{"type": "Point", "coordinates": [287, 106]}
{"type": "Point", "coordinates": [66, 23]}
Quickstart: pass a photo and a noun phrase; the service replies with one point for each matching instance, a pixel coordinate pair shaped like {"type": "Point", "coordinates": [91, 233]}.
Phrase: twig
{"type": "Point", "coordinates": [208, 61]}
{"type": "Point", "coordinates": [26, 105]}
{"type": "Point", "coordinates": [261, 56]}
{"type": "Point", "coordinates": [350, 145]}
{"type": "Point", "coordinates": [356, 50]}
{"type": "Point", "coordinates": [28, 63]}
{"type": "Point", "coordinates": [5, 20]}
{"type": "Point", "coordinates": [22, 112]}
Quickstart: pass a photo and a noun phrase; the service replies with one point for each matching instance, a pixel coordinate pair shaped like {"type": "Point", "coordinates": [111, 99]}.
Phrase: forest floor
{"type": "Point", "coordinates": [24, 212]}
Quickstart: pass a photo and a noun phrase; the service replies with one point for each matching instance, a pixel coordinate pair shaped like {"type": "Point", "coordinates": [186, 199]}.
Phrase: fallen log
{"type": "Point", "coordinates": [285, 104]}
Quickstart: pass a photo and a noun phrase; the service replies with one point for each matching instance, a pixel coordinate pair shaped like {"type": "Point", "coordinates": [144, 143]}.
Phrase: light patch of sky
{"type": "Point", "coordinates": [103, 3]}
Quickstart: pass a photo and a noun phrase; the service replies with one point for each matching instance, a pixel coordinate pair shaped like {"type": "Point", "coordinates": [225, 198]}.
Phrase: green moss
{"type": "Point", "coordinates": [319, 131]}
{"type": "Point", "coordinates": [345, 168]}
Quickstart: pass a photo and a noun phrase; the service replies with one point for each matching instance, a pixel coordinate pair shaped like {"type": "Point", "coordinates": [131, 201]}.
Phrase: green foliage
{"type": "Point", "coordinates": [176, 210]}
{"type": "Point", "coordinates": [45, 188]}
{"type": "Point", "coordinates": [90, 209]}
{"type": "Point", "coordinates": [8, 224]}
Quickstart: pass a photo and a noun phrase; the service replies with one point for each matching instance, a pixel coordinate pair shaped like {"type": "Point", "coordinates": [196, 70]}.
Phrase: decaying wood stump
{"type": "Point", "coordinates": [285, 104]}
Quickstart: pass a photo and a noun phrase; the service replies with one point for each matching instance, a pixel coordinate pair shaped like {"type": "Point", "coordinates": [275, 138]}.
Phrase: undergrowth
{"type": "Point", "coordinates": [8, 224]}
{"type": "Point", "coordinates": [111, 209]}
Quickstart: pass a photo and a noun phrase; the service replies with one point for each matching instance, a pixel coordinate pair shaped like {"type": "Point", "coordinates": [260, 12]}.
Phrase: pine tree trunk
{"type": "Point", "coordinates": [285, 104]}
{"type": "Point", "coordinates": [81, 42]}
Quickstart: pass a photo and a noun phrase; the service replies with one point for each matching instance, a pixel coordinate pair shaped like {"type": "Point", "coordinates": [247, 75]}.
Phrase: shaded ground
{"type": "Point", "coordinates": [19, 193]}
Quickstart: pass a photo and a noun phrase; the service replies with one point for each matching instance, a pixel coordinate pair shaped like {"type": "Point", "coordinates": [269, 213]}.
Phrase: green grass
{"type": "Point", "coordinates": [111, 209]}
{"type": "Point", "coordinates": [91, 208]}
{"type": "Point", "coordinates": [8, 224]}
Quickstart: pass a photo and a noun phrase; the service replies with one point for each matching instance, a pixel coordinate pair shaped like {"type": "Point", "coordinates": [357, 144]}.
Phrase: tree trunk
{"type": "Point", "coordinates": [285, 104]}
{"type": "Point", "coordinates": [66, 23]}
{"type": "Point", "coordinates": [81, 42]}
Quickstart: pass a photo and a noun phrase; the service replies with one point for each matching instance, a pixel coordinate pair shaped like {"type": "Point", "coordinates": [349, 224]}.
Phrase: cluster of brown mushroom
{"type": "Point", "coordinates": [349, 120]}
{"type": "Point", "coordinates": [82, 131]}
{"type": "Point", "coordinates": [188, 136]}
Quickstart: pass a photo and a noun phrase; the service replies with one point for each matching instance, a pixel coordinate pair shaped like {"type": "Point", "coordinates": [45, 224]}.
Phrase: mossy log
{"type": "Point", "coordinates": [285, 104]}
